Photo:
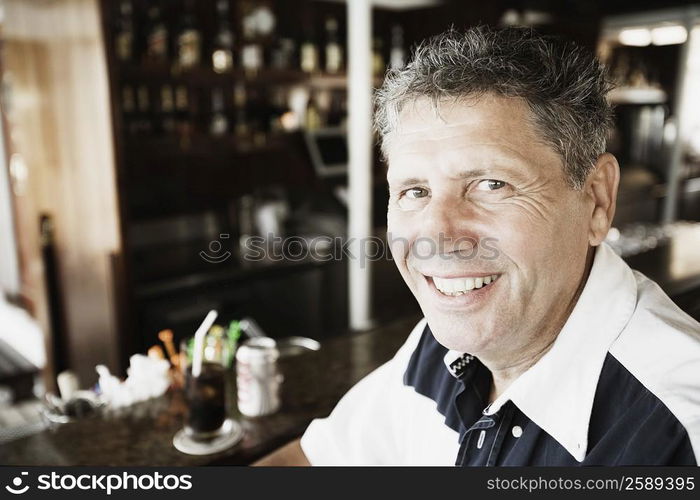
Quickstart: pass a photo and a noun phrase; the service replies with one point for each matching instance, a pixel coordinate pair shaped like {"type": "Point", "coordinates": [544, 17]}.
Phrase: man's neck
{"type": "Point", "coordinates": [506, 370]}
{"type": "Point", "coordinates": [503, 377]}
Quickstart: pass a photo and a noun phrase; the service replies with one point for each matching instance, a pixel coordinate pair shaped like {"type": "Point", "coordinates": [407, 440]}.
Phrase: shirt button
{"type": "Point", "coordinates": [517, 431]}
{"type": "Point", "coordinates": [480, 442]}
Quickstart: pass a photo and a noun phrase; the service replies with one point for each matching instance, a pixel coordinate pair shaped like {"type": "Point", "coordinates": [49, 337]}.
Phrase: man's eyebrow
{"type": "Point", "coordinates": [463, 174]}
{"type": "Point", "coordinates": [410, 181]}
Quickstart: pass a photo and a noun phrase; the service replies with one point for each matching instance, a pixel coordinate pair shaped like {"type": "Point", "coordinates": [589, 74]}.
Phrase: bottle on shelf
{"type": "Point", "coordinates": [258, 22]}
{"type": "Point", "coordinates": [124, 39]}
{"type": "Point", "coordinates": [218, 125]}
{"type": "Point", "coordinates": [312, 118]}
{"type": "Point", "coordinates": [334, 51]}
{"type": "Point", "coordinates": [222, 50]}
{"type": "Point", "coordinates": [241, 128]}
{"type": "Point", "coordinates": [251, 54]}
{"type": "Point", "coordinates": [397, 56]}
{"type": "Point", "coordinates": [156, 36]}
{"type": "Point", "coordinates": [189, 40]}
{"type": "Point", "coordinates": [167, 110]}
{"type": "Point", "coordinates": [183, 116]}
{"type": "Point", "coordinates": [283, 54]}
{"type": "Point", "coordinates": [308, 54]}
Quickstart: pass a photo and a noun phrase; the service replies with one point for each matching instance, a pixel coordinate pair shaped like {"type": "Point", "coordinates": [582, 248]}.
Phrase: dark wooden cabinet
{"type": "Point", "coordinates": [171, 168]}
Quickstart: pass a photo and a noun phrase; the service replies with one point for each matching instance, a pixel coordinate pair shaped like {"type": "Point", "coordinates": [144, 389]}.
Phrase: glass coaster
{"type": "Point", "coordinates": [231, 434]}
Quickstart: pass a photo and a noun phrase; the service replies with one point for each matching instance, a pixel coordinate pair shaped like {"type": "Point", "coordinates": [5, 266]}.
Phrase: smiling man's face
{"type": "Point", "coordinates": [509, 236]}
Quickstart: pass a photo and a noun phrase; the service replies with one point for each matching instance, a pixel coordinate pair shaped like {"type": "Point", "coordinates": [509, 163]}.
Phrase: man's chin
{"type": "Point", "coordinates": [462, 336]}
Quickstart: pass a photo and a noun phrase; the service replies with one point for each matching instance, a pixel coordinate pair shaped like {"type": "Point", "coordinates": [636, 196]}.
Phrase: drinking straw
{"type": "Point", "coordinates": [199, 342]}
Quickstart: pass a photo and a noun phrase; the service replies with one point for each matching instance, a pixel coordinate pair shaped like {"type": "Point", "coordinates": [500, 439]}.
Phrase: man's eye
{"type": "Point", "coordinates": [414, 193]}
{"type": "Point", "coordinates": [490, 185]}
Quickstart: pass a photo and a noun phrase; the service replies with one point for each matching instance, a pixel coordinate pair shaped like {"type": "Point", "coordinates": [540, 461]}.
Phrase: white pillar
{"type": "Point", "coordinates": [10, 281]}
{"type": "Point", "coordinates": [670, 209]}
{"type": "Point", "coordinates": [360, 159]}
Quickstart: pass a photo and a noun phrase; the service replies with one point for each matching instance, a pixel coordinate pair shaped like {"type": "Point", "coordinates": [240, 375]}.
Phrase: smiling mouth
{"type": "Point", "coordinates": [454, 287]}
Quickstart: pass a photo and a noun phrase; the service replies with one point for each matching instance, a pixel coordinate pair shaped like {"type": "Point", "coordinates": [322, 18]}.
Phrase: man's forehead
{"type": "Point", "coordinates": [487, 111]}
{"type": "Point", "coordinates": [458, 122]}
{"type": "Point", "coordinates": [489, 124]}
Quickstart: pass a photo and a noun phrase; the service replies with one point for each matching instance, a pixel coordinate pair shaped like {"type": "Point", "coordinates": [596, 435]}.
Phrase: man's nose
{"type": "Point", "coordinates": [441, 216]}
{"type": "Point", "coordinates": [450, 222]}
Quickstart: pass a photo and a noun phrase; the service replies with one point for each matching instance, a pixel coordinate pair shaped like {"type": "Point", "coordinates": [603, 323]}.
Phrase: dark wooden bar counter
{"type": "Point", "coordinates": [142, 434]}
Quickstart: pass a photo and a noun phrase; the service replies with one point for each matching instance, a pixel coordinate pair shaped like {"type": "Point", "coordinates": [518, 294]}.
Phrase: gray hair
{"type": "Point", "coordinates": [563, 84]}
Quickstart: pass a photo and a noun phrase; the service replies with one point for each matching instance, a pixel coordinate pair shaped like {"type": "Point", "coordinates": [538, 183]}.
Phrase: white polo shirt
{"type": "Point", "coordinates": [620, 386]}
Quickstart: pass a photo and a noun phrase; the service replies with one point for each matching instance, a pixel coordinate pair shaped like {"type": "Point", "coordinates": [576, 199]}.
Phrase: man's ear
{"type": "Point", "coordinates": [601, 187]}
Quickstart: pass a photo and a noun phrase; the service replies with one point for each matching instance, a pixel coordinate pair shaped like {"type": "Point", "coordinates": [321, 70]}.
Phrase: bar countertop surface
{"type": "Point", "coordinates": [142, 434]}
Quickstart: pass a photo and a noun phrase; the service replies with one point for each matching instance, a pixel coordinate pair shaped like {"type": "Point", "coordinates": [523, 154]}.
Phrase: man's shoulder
{"type": "Point", "coordinates": [658, 326]}
{"type": "Point", "coordinates": [660, 347]}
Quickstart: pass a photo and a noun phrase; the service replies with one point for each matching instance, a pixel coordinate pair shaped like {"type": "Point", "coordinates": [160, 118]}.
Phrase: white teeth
{"type": "Point", "coordinates": [458, 286]}
{"type": "Point", "coordinates": [469, 284]}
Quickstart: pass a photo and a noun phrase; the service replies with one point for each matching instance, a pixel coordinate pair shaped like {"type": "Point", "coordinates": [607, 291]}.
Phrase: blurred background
{"type": "Point", "coordinates": [145, 142]}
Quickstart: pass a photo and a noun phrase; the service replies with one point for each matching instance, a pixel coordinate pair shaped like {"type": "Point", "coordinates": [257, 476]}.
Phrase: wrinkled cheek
{"type": "Point", "coordinates": [400, 238]}
{"type": "Point", "coordinates": [527, 245]}
{"type": "Point", "coordinates": [535, 257]}
{"type": "Point", "coordinates": [399, 247]}
{"type": "Point", "coordinates": [400, 234]}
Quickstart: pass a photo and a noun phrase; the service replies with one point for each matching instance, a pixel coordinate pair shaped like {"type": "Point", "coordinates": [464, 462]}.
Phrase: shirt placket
{"type": "Point", "coordinates": [480, 441]}
{"type": "Point", "coordinates": [471, 446]}
{"type": "Point", "coordinates": [501, 433]}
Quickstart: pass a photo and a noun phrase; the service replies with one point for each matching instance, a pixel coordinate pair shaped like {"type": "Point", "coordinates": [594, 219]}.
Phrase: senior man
{"type": "Point", "coordinates": [539, 346]}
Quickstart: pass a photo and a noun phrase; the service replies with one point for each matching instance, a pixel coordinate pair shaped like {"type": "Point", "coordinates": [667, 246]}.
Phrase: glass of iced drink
{"type": "Point", "coordinates": [206, 394]}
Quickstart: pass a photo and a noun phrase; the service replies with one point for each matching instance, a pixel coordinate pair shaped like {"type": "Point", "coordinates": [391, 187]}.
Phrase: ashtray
{"type": "Point", "coordinates": [82, 404]}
